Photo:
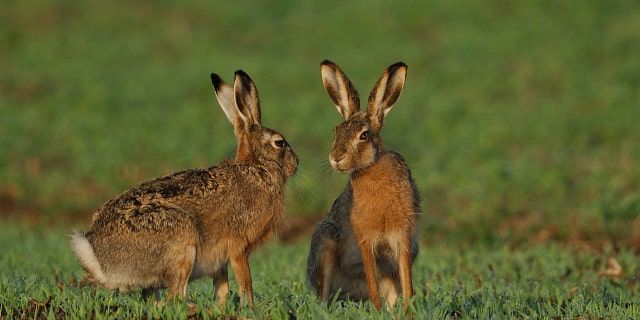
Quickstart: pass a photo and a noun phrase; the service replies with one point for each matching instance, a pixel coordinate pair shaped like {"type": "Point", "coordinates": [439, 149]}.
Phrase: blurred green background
{"type": "Point", "coordinates": [519, 119]}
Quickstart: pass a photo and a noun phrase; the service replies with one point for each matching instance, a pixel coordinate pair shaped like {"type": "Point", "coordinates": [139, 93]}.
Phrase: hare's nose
{"type": "Point", "coordinates": [333, 159]}
{"type": "Point", "coordinates": [336, 162]}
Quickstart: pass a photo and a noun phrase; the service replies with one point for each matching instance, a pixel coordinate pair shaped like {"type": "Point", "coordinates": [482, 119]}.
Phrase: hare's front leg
{"type": "Point", "coordinates": [221, 285]}
{"type": "Point", "coordinates": [240, 266]}
{"type": "Point", "coordinates": [404, 267]}
{"type": "Point", "coordinates": [370, 272]}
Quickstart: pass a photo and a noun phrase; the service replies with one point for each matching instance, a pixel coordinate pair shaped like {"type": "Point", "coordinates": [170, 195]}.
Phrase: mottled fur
{"type": "Point", "coordinates": [190, 224]}
{"type": "Point", "coordinates": [365, 245]}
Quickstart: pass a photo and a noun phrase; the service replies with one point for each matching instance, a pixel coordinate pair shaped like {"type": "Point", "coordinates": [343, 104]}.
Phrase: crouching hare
{"type": "Point", "coordinates": [365, 245]}
{"type": "Point", "coordinates": [168, 231]}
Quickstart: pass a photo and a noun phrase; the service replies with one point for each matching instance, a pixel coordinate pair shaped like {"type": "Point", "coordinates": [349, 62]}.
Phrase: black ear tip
{"type": "Point", "coordinates": [327, 62]}
{"type": "Point", "coordinates": [243, 79]}
{"type": "Point", "coordinates": [398, 65]}
{"type": "Point", "coordinates": [216, 80]}
{"type": "Point", "coordinates": [241, 73]}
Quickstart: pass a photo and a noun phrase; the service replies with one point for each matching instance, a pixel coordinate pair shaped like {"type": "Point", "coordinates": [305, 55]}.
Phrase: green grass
{"type": "Point", "coordinates": [512, 111]}
{"type": "Point", "coordinates": [518, 119]}
{"type": "Point", "coordinates": [545, 281]}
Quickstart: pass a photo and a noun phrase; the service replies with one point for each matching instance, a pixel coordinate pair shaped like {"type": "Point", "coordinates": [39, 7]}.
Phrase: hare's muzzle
{"type": "Point", "coordinates": [340, 163]}
{"type": "Point", "coordinates": [290, 162]}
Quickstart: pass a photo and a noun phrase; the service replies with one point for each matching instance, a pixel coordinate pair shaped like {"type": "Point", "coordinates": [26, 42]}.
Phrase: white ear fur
{"type": "Point", "coordinates": [246, 98]}
{"type": "Point", "coordinates": [241, 106]}
{"type": "Point", "coordinates": [226, 99]}
{"type": "Point", "coordinates": [385, 93]}
{"type": "Point", "coordinates": [340, 89]}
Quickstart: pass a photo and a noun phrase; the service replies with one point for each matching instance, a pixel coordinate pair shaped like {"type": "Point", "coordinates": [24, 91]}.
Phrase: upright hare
{"type": "Point", "coordinates": [192, 223]}
{"type": "Point", "coordinates": [365, 245]}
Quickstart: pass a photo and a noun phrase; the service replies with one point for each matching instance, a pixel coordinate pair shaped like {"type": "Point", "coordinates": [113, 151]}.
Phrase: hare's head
{"type": "Point", "coordinates": [256, 144]}
{"type": "Point", "coordinates": [357, 143]}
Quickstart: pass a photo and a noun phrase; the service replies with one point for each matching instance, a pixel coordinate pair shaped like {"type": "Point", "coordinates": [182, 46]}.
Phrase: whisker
{"type": "Point", "coordinates": [318, 160]}
{"type": "Point", "coordinates": [326, 171]}
{"type": "Point", "coordinates": [312, 178]}
{"type": "Point", "coordinates": [304, 181]}
{"type": "Point", "coordinates": [298, 189]}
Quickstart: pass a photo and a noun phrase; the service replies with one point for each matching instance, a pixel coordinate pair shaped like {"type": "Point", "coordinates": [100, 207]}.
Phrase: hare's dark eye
{"type": "Point", "coordinates": [364, 135]}
{"type": "Point", "coordinates": [279, 143]}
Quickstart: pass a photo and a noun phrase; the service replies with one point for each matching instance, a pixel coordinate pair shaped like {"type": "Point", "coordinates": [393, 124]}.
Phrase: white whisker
{"type": "Point", "coordinates": [298, 188]}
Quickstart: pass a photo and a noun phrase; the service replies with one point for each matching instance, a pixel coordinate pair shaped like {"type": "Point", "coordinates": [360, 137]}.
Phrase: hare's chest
{"type": "Point", "coordinates": [376, 195]}
{"type": "Point", "coordinates": [381, 206]}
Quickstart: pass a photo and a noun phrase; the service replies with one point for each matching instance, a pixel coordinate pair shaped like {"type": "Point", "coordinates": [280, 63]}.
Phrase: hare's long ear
{"type": "Point", "coordinates": [385, 93]}
{"type": "Point", "coordinates": [340, 89]}
{"type": "Point", "coordinates": [246, 96]}
{"type": "Point", "coordinates": [227, 99]}
{"type": "Point", "coordinates": [224, 93]}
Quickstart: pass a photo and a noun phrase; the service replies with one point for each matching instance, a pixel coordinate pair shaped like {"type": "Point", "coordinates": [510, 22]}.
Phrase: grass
{"type": "Point", "coordinates": [545, 281]}
{"type": "Point", "coordinates": [519, 122]}
{"type": "Point", "coordinates": [519, 111]}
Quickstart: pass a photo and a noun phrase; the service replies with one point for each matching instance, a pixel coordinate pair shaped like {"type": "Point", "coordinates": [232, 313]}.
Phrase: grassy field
{"type": "Point", "coordinates": [451, 281]}
{"type": "Point", "coordinates": [518, 119]}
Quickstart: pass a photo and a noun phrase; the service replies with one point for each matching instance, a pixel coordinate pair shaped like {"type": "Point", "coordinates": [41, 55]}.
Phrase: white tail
{"type": "Point", "coordinates": [84, 252]}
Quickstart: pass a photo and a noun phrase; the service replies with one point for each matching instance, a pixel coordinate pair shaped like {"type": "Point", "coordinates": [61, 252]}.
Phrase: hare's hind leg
{"type": "Point", "coordinates": [178, 275]}
{"type": "Point", "coordinates": [390, 290]}
{"type": "Point", "coordinates": [326, 268]}
{"type": "Point", "coordinates": [322, 260]}
{"type": "Point", "coordinates": [221, 285]}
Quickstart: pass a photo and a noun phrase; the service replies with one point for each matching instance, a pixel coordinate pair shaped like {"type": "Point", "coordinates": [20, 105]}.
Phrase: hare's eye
{"type": "Point", "coordinates": [279, 143]}
{"type": "Point", "coordinates": [364, 135]}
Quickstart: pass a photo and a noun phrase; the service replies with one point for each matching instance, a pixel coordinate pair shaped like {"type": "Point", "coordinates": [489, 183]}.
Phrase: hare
{"type": "Point", "coordinates": [365, 245]}
{"type": "Point", "coordinates": [170, 230]}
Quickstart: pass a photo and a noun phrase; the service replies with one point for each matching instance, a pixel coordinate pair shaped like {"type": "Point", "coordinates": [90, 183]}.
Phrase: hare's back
{"type": "Point", "coordinates": [194, 194]}
{"type": "Point", "coordinates": [160, 200]}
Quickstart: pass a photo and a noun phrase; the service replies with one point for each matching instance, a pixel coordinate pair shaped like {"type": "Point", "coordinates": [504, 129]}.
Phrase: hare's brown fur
{"type": "Point", "coordinates": [190, 224]}
{"type": "Point", "coordinates": [366, 243]}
